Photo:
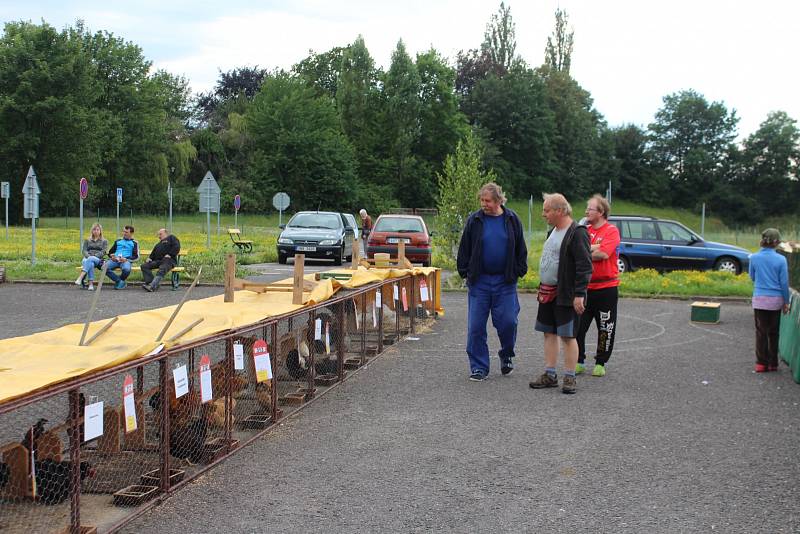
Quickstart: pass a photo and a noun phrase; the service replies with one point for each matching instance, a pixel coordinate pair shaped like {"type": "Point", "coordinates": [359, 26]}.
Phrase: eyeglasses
{"type": "Point", "coordinates": [592, 209]}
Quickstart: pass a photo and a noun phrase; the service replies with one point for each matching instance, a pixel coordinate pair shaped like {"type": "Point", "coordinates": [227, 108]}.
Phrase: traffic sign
{"type": "Point", "coordinates": [237, 202]}
{"type": "Point", "coordinates": [209, 194]}
{"type": "Point", "coordinates": [31, 192]}
{"type": "Point", "coordinates": [84, 188]}
{"type": "Point", "coordinates": [280, 201]}
{"type": "Point", "coordinates": [119, 195]}
{"type": "Point", "coordinates": [5, 189]}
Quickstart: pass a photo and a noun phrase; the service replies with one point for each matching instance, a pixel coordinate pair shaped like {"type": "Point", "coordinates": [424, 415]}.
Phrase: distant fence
{"type": "Point", "coordinates": [423, 212]}
{"type": "Point", "coordinates": [169, 417]}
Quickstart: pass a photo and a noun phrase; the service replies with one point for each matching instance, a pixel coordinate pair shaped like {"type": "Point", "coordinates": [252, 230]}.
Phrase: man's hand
{"type": "Point", "coordinates": [577, 303]}
{"type": "Point", "coordinates": [594, 247]}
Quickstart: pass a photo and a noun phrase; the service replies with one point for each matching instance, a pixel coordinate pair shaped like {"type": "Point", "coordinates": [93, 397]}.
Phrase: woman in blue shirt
{"type": "Point", "coordinates": [770, 274]}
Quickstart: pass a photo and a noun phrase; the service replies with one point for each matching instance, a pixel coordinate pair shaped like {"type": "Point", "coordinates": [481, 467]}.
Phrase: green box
{"type": "Point", "coordinates": [705, 312]}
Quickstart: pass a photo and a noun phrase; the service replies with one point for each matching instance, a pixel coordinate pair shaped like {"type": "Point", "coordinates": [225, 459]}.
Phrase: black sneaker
{"type": "Point", "coordinates": [507, 366]}
{"type": "Point", "coordinates": [147, 288]}
{"type": "Point", "coordinates": [478, 376]}
{"type": "Point", "coordinates": [544, 381]}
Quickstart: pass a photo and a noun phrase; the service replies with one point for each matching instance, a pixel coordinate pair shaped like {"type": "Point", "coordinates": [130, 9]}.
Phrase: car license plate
{"type": "Point", "coordinates": [398, 240]}
{"type": "Point", "coordinates": [306, 249]}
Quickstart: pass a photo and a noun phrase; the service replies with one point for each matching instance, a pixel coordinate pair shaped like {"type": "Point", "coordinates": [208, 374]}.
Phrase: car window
{"type": "Point", "coordinates": [351, 221]}
{"type": "Point", "coordinates": [398, 224]}
{"type": "Point", "coordinates": [674, 232]}
{"type": "Point", "coordinates": [330, 221]}
{"type": "Point", "coordinates": [640, 230]}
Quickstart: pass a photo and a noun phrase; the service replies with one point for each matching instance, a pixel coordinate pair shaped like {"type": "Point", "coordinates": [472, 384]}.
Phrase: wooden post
{"type": "Point", "coordinates": [401, 253]}
{"type": "Point", "coordinates": [180, 305]}
{"type": "Point", "coordinates": [94, 303]}
{"type": "Point", "coordinates": [230, 275]}
{"type": "Point", "coordinates": [356, 254]}
{"type": "Point", "coordinates": [297, 282]}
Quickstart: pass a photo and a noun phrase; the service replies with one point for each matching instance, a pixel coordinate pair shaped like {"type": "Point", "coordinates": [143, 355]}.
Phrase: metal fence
{"type": "Point", "coordinates": [222, 392]}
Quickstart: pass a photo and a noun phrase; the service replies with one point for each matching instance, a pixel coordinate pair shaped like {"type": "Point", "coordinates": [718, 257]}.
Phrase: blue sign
{"type": "Point", "coordinates": [119, 195]}
{"type": "Point", "coordinates": [237, 202]}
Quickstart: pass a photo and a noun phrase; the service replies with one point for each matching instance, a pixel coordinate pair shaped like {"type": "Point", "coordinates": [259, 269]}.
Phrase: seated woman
{"type": "Point", "coordinates": [94, 249]}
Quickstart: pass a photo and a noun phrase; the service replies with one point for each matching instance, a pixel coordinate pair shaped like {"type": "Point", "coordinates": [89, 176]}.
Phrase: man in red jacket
{"type": "Point", "coordinates": [601, 305]}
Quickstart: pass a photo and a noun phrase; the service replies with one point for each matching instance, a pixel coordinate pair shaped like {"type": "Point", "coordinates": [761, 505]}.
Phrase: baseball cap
{"type": "Point", "coordinates": [771, 235]}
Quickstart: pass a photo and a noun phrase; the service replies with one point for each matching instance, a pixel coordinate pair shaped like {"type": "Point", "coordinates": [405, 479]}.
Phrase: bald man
{"type": "Point", "coordinates": [163, 257]}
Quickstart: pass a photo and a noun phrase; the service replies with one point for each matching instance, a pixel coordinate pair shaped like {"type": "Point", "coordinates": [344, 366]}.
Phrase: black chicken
{"type": "Point", "coordinates": [187, 434]}
{"type": "Point", "coordinates": [5, 474]}
{"type": "Point", "coordinates": [53, 479]}
{"type": "Point", "coordinates": [31, 438]}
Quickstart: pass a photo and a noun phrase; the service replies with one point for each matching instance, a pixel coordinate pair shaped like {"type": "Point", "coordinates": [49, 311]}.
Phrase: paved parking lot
{"type": "Point", "coordinates": [679, 436]}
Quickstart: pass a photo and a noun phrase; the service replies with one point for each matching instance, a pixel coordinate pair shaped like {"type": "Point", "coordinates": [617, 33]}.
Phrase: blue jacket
{"type": "Point", "coordinates": [470, 249]}
{"type": "Point", "coordinates": [127, 248]}
{"type": "Point", "coordinates": [770, 273]}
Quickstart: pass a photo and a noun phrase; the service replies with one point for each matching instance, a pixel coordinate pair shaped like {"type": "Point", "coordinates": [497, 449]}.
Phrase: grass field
{"type": "Point", "coordinates": [58, 246]}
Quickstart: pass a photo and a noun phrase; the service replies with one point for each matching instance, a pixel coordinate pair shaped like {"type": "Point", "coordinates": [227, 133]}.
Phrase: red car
{"type": "Point", "coordinates": [389, 230]}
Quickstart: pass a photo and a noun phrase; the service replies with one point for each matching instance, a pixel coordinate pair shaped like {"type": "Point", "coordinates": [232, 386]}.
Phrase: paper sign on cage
{"type": "Point", "coordinates": [378, 298]}
{"type": "Point", "coordinates": [423, 290]}
{"type": "Point", "coordinates": [405, 300]}
{"type": "Point", "coordinates": [181, 378]}
{"type": "Point", "coordinates": [394, 290]}
{"type": "Point", "coordinates": [261, 361]}
{"type": "Point", "coordinates": [318, 329]}
{"type": "Point", "coordinates": [93, 421]}
{"type": "Point", "coordinates": [358, 326]}
{"type": "Point", "coordinates": [206, 394]}
{"type": "Point", "coordinates": [327, 338]}
{"type": "Point", "coordinates": [374, 317]}
{"type": "Point", "coordinates": [238, 356]}
{"type": "Point", "coordinates": [128, 404]}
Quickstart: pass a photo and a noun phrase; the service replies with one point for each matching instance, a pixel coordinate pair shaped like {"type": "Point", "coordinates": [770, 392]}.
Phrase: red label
{"type": "Point", "coordinates": [127, 385]}
{"type": "Point", "coordinates": [205, 363]}
{"type": "Point", "coordinates": [260, 347]}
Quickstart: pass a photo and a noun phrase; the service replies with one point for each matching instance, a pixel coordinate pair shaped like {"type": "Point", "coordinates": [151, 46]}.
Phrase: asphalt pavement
{"type": "Point", "coordinates": [679, 436]}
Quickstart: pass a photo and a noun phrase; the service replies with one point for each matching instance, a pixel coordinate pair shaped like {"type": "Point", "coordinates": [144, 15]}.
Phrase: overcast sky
{"type": "Point", "coordinates": [628, 53]}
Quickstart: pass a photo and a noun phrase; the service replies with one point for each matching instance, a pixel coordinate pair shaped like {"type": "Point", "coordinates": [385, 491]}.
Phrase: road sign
{"type": "Point", "coordinates": [31, 192]}
{"type": "Point", "coordinates": [209, 194]}
{"type": "Point", "coordinates": [84, 188]}
{"type": "Point", "coordinates": [237, 202]}
{"type": "Point", "coordinates": [119, 195]}
{"type": "Point", "coordinates": [280, 201]}
{"type": "Point", "coordinates": [5, 189]}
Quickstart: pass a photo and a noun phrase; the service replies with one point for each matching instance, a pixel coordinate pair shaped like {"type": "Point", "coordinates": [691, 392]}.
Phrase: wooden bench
{"type": "Point", "coordinates": [244, 245]}
{"type": "Point", "coordinates": [143, 255]}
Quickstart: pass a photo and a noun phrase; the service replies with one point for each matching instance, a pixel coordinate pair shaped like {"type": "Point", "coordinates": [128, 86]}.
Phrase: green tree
{"type": "Point", "coordinates": [322, 71]}
{"type": "Point", "coordinates": [558, 52]}
{"type": "Point", "coordinates": [400, 124]}
{"type": "Point", "coordinates": [459, 182]}
{"type": "Point", "coordinates": [637, 180]}
{"type": "Point", "coordinates": [300, 147]}
{"type": "Point", "coordinates": [690, 139]}
{"type": "Point", "coordinates": [500, 39]}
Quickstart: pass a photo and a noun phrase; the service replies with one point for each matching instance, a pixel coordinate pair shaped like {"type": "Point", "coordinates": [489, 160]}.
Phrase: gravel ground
{"type": "Point", "coordinates": [679, 436]}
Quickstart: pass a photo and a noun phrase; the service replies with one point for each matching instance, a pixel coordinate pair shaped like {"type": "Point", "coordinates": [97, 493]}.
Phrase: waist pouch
{"type": "Point", "coordinates": [547, 293]}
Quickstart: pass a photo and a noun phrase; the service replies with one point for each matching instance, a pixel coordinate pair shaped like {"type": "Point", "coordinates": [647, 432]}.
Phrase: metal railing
{"type": "Point", "coordinates": [222, 392]}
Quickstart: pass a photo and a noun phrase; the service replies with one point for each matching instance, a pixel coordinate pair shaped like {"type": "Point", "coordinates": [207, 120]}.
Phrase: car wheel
{"type": "Point", "coordinates": [281, 258]}
{"type": "Point", "coordinates": [623, 265]}
{"type": "Point", "coordinates": [338, 260]}
{"type": "Point", "coordinates": [728, 264]}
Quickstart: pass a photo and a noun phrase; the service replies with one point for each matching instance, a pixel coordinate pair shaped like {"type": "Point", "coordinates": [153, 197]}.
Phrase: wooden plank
{"type": "Point", "coordinates": [230, 276]}
{"type": "Point", "coordinates": [297, 292]}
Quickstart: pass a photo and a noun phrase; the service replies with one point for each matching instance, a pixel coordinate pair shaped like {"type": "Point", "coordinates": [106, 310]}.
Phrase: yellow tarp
{"type": "Point", "coordinates": [29, 363]}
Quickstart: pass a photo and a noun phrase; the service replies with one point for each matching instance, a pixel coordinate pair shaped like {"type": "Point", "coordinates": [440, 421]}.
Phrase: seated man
{"type": "Point", "coordinates": [164, 257]}
{"type": "Point", "coordinates": [122, 253]}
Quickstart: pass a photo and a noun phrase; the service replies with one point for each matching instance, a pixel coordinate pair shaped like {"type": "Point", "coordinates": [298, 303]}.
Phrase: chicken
{"type": "Point", "coordinates": [53, 479]}
{"type": "Point", "coordinates": [31, 438]}
{"type": "Point", "coordinates": [189, 422]}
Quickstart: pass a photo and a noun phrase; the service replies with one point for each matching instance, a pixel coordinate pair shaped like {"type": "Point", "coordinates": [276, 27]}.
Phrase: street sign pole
{"type": "Point", "coordinates": [80, 237]}
{"type": "Point", "coordinates": [6, 217]}
{"type": "Point", "coordinates": [31, 192]}
{"type": "Point", "coordinates": [218, 212]}
{"type": "Point", "coordinates": [5, 192]}
{"type": "Point", "coordinates": [119, 201]}
{"type": "Point", "coordinates": [208, 215]}
{"type": "Point", "coordinates": [83, 191]}
{"type": "Point", "coordinates": [169, 195]}
{"type": "Point", "coordinates": [237, 203]}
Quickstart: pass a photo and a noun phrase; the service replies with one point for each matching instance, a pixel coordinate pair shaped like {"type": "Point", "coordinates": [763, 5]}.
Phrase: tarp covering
{"type": "Point", "coordinates": [30, 363]}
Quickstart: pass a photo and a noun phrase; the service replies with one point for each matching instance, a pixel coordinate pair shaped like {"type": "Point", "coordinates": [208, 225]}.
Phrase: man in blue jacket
{"type": "Point", "coordinates": [492, 255]}
{"type": "Point", "coordinates": [122, 253]}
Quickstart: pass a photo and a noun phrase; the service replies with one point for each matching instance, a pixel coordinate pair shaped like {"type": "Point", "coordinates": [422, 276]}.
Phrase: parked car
{"type": "Point", "coordinates": [352, 224]}
{"type": "Point", "coordinates": [649, 242]}
{"type": "Point", "coordinates": [389, 230]}
{"type": "Point", "coordinates": [317, 234]}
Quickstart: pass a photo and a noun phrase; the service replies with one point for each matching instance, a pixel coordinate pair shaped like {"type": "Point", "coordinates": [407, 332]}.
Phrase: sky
{"type": "Point", "coordinates": [628, 54]}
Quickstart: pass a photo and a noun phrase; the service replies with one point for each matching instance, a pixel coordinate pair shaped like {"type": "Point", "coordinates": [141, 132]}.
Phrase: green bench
{"type": "Point", "coordinates": [244, 245]}
{"type": "Point", "coordinates": [144, 254]}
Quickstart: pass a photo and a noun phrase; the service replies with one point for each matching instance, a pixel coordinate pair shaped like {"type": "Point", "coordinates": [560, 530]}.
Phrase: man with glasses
{"type": "Point", "coordinates": [603, 292]}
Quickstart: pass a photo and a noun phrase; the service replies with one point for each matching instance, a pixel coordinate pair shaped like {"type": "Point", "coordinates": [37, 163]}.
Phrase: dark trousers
{"type": "Point", "coordinates": [767, 328]}
{"type": "Point", "coordinates": [491, 294]}
{"type": "Point", "coordinates": [601, 306]}
{"type": "Point", "coordinates": [164, 266]}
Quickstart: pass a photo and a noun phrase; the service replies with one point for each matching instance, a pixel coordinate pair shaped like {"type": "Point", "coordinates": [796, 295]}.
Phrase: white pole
{"type": "Point", "coordinates": [208, 215]}
{"type": "Point", "coordinates": [117, 215]}
{"type": "Point", "coordinates": [169, 194]}
{"type": "Point", "coordinates": [703, 222]}
{"type": "Point", "coordinates": [6, 217]}
{"type": "Point", "coordinates": [530, 210]}
{"type": "Point", "coordinates": [33, 239]}
{"type": "Point", "coordinates": [236, 218]}
{"type": "Point", "coordinates": [219, 209]}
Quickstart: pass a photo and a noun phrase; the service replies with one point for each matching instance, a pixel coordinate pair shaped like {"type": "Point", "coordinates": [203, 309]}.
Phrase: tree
{"type": "Point", "coordinates": [500, 39]}
{"type": "Point", "coordinates": [232, 93]}
{"type": "Point", "coordinates": [459, 182]}
{"type": "Point", "coordinates": [558, 52]}
{"type": "Point", "coordinates": [690, 139]}
{"type": "Point", "coordinates": [401, 92]}
{"type": "Point", "coordinates": [637, 180]}
{"type": "Point", "coordinates": [300, 147]}
{"type": "Point", "coordinates": [322, 71]}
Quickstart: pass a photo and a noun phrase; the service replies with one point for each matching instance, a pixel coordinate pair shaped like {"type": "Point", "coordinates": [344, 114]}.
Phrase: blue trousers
{"type": "Point", "coordinates": [491, 294]}
{"type": "Point", "coordinates": [125, 266]}
{"type": "Point", "coordinates": [89, 264]}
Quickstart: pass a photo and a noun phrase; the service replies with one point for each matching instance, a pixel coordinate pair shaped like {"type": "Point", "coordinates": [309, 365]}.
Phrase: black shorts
{"type": "Point", "coordinates": [560, 320]}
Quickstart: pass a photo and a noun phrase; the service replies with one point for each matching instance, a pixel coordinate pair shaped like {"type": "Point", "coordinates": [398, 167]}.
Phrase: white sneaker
{"type": "Point", "coordinates": [91, 287]}
{"type": "Point", "coordinates": [79, 280]}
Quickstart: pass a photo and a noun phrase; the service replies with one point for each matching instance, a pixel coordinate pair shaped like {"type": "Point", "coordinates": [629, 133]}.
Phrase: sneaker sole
{"type": "Point", "coordinates": [543, 386]}
{"type": "Point", "coordinates": [506, 372]}
{"type": "Point", "coordinates": [568, 391]}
